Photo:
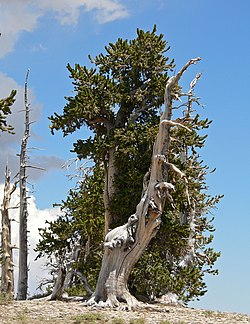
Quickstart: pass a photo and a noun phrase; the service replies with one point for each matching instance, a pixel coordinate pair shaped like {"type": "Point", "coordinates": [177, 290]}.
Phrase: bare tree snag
{"type": "Point", "coordinates": [125, 244]}
{"type": "Point", "coordinates": [23, 237]}
{"type": "Point", "coordinates": [7, 275]}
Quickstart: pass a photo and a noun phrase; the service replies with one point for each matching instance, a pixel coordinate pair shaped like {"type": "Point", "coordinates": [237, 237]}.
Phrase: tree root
{"type": "Point", "coordinates": [124, 302]}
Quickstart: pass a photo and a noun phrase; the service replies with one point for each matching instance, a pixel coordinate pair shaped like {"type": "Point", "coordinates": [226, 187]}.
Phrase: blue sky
{"type": "Point", "coordinates": [46, 36]}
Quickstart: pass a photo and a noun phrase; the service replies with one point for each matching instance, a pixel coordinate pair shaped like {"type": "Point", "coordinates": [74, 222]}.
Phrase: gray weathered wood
{"type": "Point", "coordinates": [7, 275]}
{"type": "Point", "coordinates": [23, 215]}
{"type": "Point", "coordinates": [125, 244]}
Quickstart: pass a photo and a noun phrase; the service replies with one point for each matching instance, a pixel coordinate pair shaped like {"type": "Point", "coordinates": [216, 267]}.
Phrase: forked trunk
{"type": "Point", "coordinates": [65, 274]}
{"type": "Point", "coordinates": [125, 244]}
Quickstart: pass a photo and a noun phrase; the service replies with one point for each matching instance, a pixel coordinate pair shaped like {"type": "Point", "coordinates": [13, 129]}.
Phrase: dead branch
{"type": "Point", "coordinates": [172, 123]}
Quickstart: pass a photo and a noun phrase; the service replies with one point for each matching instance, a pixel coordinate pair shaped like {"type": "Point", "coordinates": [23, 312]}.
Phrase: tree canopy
{"type": "Point", "coordinates": [120, 100]}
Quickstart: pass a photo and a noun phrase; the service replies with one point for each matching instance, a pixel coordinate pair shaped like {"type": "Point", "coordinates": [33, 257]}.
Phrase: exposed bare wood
{"type": "Point", "coordinates": [172, 123]}
{"type": "Point", "coordinates": [66, 273]}
{"type": "Point", "coordinates": [23, 237]}
{"type": "Point", "coordinates": [35, 167]}
{"type": "Point", "coordinates": [84, 280]}
{"type": "Point", "coordinates": [190, 255]}
{"type": "Point", "coordinates": [125, 244]}
{"type": "Point", "coordinates": [7, 273]}
{"type": "Point", "coordinates": [58, 289]}
{"type": "Point", "coordinates": [70, 271]}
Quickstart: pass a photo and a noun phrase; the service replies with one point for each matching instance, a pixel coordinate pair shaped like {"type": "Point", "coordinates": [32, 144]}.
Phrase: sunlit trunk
{"type": "Point", "coordinates": [7, 275]}
{"type": "Point", "coordinates": [125, 244]}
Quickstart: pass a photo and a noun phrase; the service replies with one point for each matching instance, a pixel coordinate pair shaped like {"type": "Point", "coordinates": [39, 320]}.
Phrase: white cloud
{"type": "Point", "coordinates": [36, 220]}
{"type": "Point", "coordinates": [106, 10]}
{"type": "Point", "coordinates": [68, 11]}
{"type": "Point", "coordinates": [17, 16]}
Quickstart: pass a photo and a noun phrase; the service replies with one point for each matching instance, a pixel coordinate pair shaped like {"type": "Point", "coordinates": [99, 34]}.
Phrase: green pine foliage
{"type": "Point", "coordinates": [119, 100]}
{"type": "Point", "coordinates": [127, 85]}
{"type": "Point", "coordinates": [132, 158]}
{"type": "Point", "coordinates": [5, 110]}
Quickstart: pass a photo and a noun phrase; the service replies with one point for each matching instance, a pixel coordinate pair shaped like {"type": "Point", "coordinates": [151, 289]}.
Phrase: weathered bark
{"type": "Point", "coordinates": [58, 289]}
{"type": "Point", "coordinates": [125, 244]}
{"type": "Point", "coordinates": [109, 188]}
{"type": "Point", "coordinates": [7, 275]}
{"type": "Point", "coordinates": [23, 237]}
{"type": "Point", "coordinates": [65, 276]}
{"type": "Point", "coordinates": [70, 271]}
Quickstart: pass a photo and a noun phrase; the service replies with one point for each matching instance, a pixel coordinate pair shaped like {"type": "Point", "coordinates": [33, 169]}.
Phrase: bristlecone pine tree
{"type": "Point", "coordinates": [134, 146]}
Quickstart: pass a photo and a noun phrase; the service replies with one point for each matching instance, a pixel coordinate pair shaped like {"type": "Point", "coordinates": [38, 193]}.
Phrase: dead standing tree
{"type": "Point", "coordinates": [23, 216]}
{"type": "Point", "coordinates": [7, 275]}
{"type": "Point", "coordinates": [125, 244]}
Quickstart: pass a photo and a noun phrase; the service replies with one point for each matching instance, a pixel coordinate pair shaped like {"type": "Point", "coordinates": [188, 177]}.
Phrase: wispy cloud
{"type": "Point", "coordinates": [38, 48]}
{"type": "Point", "coordinates": [17, 16]}
{"type": "Point", "coordinates": [68, 11]}
{"type": "Point", "coordinates": [106, 10]}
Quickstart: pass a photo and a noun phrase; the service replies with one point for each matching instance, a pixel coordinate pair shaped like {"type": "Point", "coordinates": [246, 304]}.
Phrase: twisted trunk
{"type": "Point", "coordinates": [125, 244]}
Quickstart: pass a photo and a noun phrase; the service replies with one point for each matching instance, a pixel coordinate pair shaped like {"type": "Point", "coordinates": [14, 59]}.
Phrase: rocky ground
{"type": "Point", "coordinates": [35, 311]}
